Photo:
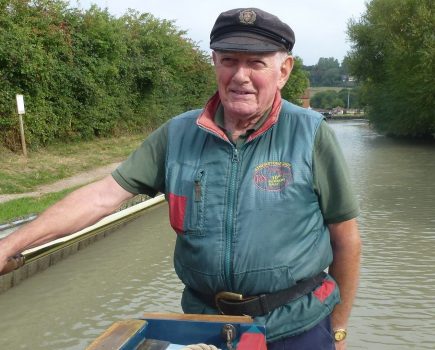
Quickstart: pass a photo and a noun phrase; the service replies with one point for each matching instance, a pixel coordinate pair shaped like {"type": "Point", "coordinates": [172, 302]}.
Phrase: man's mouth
{"type": "Point", "coordinates": [241, 92]}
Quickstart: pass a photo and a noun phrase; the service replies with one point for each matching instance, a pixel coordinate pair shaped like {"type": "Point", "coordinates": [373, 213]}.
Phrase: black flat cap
{"type": "Point", "coordinates": [251, 30]}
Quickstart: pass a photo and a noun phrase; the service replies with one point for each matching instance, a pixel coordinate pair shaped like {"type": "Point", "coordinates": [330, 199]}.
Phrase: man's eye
{"type": "Point", "coordinates": [258, 64]}
{"type": "Point", "coordinates": [227, 60]}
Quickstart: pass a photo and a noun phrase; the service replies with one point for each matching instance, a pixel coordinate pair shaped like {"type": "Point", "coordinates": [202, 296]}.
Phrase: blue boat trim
{"type": "Point", "coordinates": [175, 331]}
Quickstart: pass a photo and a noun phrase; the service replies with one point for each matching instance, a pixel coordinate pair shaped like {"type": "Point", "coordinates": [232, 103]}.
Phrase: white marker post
{"type": "Point", "coordinates": [21, 111]}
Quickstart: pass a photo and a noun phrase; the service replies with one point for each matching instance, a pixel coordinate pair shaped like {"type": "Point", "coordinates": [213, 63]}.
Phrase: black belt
{"type": "Point", "coordinates": [229, 303]}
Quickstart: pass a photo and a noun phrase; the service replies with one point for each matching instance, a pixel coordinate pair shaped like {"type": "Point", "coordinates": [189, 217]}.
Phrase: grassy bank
{"type": "Point", "coordinates": [316, 89]}
{"type": "Point", "coordinates": [23, 207]}
{"type": "Point", "coordinates": [56, 162]}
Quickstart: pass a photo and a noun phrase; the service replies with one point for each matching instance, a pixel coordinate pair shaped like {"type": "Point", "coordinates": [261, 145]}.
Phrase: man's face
{"type": "Point", "coordinates": [248, 82]}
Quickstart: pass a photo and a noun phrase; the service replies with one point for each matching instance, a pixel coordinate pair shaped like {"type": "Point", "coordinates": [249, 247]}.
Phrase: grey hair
{"type": "Point", "coordinates": [282, 56]}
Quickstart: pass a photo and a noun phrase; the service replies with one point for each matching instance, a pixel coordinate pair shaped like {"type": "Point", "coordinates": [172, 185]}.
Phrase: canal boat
{"type": "Point", "coordinates": [183, 331]}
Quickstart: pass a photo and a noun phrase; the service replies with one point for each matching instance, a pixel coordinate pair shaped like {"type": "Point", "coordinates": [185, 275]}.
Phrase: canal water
{"type": "Point", "coordinates": [130, 271]}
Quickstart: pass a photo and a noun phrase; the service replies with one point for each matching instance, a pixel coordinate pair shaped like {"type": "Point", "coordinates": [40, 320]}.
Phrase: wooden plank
{"type": "Point", "coordinates": [199, 317]}
{"type": "Point", "coordinates": [117, 335]}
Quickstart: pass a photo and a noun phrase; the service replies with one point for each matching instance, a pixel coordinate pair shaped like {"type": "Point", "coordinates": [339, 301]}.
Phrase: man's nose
{"type": "Point", "coordinates": [242, 73]}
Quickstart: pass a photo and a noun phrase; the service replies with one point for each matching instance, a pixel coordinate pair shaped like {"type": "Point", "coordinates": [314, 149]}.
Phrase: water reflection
{"type": "Point", "coordinates": [394, 182]}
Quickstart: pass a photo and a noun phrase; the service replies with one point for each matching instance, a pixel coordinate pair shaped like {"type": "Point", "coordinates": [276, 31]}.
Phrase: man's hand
{"type": "Point", "coordinates": [340, 345]}
{"type": "Point", "coordinates": [3, 262]}
{"type": "Point", "coordinates": [11, 264]}
{"type": "Point", "coordinates": [6, 253]}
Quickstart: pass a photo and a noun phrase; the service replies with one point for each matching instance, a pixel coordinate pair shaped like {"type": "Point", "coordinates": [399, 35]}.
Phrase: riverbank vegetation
{"type": "Point", "coordinates": [393, 57]}
{"type": "Point", "coordinates": [22, 208]}
{"type": "Point", "coordinates": [52, 163]}
{"type": "Point", "coordinates": [329, 98]}
{"type": "Point", "coordinates": [61, 160]}
{"type": "Point", "coordinates": [87, 74]}
{"type": "Point", "coordinates": [329, 72]}
{"type": "Point", "coordinates": [331, 86]}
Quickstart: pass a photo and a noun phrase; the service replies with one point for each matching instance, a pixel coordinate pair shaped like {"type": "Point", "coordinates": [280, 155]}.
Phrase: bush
{"type": "Point", "coordinates": [87, 74]}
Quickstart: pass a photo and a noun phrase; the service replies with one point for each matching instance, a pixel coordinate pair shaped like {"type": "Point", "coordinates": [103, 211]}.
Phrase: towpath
{"type": "Point", "coordinates": [76, 180]}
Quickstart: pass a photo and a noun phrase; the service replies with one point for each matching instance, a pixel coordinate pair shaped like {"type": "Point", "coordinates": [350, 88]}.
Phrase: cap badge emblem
{"type": "Point", "coordinates": [247, 17]}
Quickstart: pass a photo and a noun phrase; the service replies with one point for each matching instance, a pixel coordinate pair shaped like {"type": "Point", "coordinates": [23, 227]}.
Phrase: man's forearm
{"type": "Point", "coordinates": [346, 245]}
{"type": "Point", "coordinates": [76, 211]}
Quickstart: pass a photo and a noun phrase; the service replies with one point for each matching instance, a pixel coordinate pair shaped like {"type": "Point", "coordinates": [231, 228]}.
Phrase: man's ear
{"type": "Point", "coordinates": [286, 69]}
{"type": "Point", "coordinates": [214, 57]}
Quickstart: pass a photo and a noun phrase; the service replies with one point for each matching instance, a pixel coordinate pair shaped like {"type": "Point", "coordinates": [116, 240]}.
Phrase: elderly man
{"type": "Point", "coordinates": [258, 195]}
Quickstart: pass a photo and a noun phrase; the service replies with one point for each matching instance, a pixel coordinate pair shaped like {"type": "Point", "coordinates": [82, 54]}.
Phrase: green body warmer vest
{"type": "Point", "coordinates": [248, 219]}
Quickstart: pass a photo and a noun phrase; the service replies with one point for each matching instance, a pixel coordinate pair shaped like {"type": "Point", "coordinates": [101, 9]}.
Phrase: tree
{"type": "Point", "coordinates": [327, 99]}
{"type": "Point", "coordinates": [297, 83]}
{"type": "Point", "coordinates": [88, 74]}
{"type": "Point", "coordinates": [327, 72]}
{"type": "Point", "coordinates": [393, 56]}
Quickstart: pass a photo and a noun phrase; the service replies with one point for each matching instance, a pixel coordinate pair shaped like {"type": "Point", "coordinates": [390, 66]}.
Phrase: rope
{"type": "Point", "coordinates": [200, 347]}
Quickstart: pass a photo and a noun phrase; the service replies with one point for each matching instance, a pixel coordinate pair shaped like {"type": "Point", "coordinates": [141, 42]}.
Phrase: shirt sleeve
{"type": "Point", "coordinates": [143, 172]}
{"type": "Point", "coordinates": [332, 181]}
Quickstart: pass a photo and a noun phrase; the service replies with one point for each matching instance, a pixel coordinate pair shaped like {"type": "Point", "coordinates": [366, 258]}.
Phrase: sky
{"type": "Point", "coordinates": [319, 25]}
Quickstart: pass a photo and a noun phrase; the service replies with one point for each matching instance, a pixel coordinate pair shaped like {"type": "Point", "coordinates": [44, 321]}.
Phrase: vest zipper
{"type": "Point", "coordinates": [229, 225]}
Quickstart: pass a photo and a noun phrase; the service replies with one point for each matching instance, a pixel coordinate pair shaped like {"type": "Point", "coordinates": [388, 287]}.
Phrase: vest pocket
{"type": "Point", "coordinates": [187, 198]}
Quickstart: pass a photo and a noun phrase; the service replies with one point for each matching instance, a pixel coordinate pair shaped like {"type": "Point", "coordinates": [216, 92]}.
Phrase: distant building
{"type": "Point", "coordinates": [353, 111]}
{"type": "Point", "coordinates": [337, 111]}
{"type": "Point", "coordinates": [325, 112]}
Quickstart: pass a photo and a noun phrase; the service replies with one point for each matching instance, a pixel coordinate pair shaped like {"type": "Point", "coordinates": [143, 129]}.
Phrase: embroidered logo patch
{"type": "Point", "coordinates": [273, 176]}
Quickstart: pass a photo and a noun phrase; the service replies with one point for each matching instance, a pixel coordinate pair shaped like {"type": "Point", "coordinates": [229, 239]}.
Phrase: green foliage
{"type": "Point", "coordinates": [328, 72]}
{"type": "Point", "coordinates": [86, 73]}
{"type": "Point", "coordinates": [327, 99]}
{"type": "Point", "coordinates": [393, 55]}
{"type": "Point", "coordinates": [297, 83]}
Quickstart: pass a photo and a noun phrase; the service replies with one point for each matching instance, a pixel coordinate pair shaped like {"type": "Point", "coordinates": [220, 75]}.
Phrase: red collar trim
{"type": "Point", "coordinates": [206, 118]}
{"type": "Point", "coordinates": [271, 119]}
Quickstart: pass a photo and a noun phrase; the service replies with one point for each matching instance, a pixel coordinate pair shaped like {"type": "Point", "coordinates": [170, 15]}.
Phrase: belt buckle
{"type": "Point", "coordinates": [226, 296]}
